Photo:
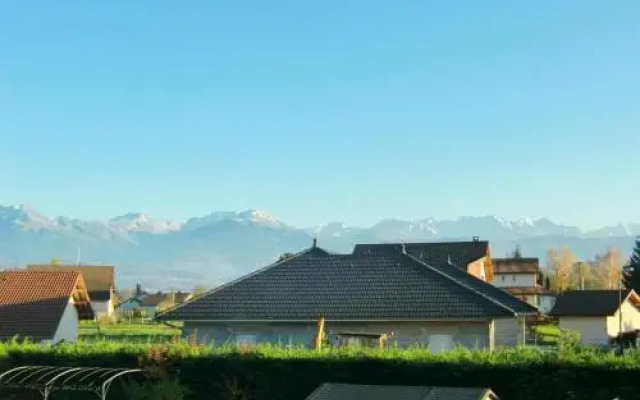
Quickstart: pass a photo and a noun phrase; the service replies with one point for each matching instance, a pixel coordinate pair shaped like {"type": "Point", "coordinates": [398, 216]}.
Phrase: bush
{"type": "Point", "coordinates": [276, 373]}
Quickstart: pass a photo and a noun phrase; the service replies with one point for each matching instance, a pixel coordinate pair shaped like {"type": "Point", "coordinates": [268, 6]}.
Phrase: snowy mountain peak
{"type": "Point", "coordinates": [139, 222]}
{"type": "Point", "coordinates": [26, 218]}
{"type": "Point", "coordinates": [259, 216]}
{"type": "Point", "coordinates": [248, 217]}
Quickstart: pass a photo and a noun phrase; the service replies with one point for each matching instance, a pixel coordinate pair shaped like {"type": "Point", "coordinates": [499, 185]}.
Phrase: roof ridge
{"type": "Point", "coordinates": [456, 281]}
{"type": "Point", "coordinates": [240, 279]}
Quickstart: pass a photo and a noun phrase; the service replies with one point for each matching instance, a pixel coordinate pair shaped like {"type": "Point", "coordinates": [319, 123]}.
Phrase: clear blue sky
{"type": "Point", "coordinates": [320, 111]}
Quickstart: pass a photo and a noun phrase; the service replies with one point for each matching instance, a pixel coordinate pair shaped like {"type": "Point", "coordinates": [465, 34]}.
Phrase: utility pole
{"type": "Point", "coordinates": [620, 315]}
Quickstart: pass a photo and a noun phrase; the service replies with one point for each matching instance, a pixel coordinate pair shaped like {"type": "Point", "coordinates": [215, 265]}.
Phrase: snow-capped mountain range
{"type": "Point", "coordinates": [223, 245]}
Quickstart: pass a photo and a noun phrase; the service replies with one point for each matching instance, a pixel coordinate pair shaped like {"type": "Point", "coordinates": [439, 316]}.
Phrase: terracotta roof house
{"type": "Point", "coordinates": [473, 256]}
{"type": "Point", "coordinates": [392, 295]}
{"type": "Point", "coordinates": [598, 315]}
{"type": "Point", "coordinates": [42, 306]}
{"type": "Point", "coordinates": [100, 281]}
{"type": "Point", "coordinates": [342, 391]}
{"type": "Point", "coordinates": [521, 277]}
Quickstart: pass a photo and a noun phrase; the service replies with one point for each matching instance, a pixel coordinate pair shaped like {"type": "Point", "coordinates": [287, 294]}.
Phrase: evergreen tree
{"type": "Point", "coordinates": [631, 273]}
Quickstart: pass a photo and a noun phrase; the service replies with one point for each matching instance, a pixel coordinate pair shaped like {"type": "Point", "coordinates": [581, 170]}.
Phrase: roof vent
{"type": "Point", "coordinates": [315, 242]}
{"type": "Point", "coordinates": [404, 248]}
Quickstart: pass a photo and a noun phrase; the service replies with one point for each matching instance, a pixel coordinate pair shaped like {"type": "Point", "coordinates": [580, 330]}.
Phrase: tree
{"type": "Point", "coordinates": [608, 270]}
{"type": "Point", "coordinates": [631, 272]}
{"type": "Point", "coordinates": [198, 291]}
{"type": "Point", "coordinates": [285, 256]}
{"type": "Point", "coordinates": [560, 266]}
{"type": "Point", "coordinates": [517, 252]}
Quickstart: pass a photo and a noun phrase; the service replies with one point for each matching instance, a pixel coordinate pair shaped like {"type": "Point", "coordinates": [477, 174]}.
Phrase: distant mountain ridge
{"type": "Point", "coordinates": [222, 245]}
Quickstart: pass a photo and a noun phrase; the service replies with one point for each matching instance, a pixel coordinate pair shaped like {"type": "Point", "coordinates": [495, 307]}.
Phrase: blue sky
{"type": "Point", "coordinates": [320, 111]}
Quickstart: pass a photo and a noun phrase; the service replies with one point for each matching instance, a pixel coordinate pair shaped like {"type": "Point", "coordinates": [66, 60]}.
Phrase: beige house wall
{"type": "Point", "coordinates": [592, 330]}
{"type": "Point", "coordinates": [630, 320]}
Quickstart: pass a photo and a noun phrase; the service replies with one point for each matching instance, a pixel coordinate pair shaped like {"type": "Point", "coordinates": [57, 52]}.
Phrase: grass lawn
{"type": "Point", "coordinates": [127, 332]}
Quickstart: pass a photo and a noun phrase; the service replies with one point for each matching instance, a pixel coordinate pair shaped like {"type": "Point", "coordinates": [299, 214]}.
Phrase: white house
{"type": "Point", "coordinates": [520, 276]}
{"type": "Point", "coordinates": [598, 316]}
{"type": "Point", "coordinates": [43, 306]}
{"type": "Point", "coordinates": [100, 281]}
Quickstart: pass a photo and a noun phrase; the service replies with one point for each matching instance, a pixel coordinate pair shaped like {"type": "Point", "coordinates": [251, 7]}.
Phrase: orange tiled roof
{"type": "Point", "coordinates": [32, 302]}
{"type": "Point", "coordinates": [97, 277]}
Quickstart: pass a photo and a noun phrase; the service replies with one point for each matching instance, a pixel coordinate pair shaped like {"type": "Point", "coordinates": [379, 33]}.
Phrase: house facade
{"type": "Point", "coordinates": [100, 281]}
{"type": "Point", "coordinates": [598, 316]}
{"type": "Point", "coordinates": [43, 306]}
{"type": "Point", "coordinates": [521, 277]}
{"type": "Point", "coordinates": [362, 297]}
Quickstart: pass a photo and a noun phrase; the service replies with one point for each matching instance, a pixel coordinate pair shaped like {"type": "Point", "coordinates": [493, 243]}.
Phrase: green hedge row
{"type": "Point", "coordinates": [291, 374]}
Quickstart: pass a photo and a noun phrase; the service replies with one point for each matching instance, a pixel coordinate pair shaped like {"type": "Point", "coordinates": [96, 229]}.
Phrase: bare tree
{"type": "Point", "coordinates": [609, 268]}
{"type": "Point", "coordinates": [560, 265]}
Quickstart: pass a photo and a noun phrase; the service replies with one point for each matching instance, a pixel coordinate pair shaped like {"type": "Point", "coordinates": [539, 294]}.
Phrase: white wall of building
{"type": "Point", "coordinates": [592, 330]}
{"type": "Point", "coordinates": [630, 320]}
{"type": "Point", "coordinates": [103, 308]}
{"type": "Point", "coordinates": [509, 332]}
{"type": "Point", "coordinates": [68, 326]}
{"type": "Point", "coordinates": [514, 280]}
{"type": "Point", "coordinates": [546, 303]}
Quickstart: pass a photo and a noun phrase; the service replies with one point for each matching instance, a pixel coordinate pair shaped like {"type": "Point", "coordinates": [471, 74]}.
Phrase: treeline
{"type": "Point", "coordinates": [609, 270]}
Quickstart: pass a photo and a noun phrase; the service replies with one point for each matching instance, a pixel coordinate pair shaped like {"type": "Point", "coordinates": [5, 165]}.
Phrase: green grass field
{"type": "Point", "coordinates": [127, 332]}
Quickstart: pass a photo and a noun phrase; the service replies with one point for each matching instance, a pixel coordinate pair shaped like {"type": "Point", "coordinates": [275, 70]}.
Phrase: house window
{"type": "Point", "coordinates": [502, 278]}
{"type": "Point", "coordinates": [513, 278]}
{"type": "Point", "coordinates": [245, 340]}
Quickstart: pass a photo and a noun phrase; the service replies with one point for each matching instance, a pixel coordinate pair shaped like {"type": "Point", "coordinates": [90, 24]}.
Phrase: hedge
{"type": "Point", "coordinates": [291, 374]}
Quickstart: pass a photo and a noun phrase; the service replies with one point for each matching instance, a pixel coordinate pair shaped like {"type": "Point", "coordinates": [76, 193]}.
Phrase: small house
{"type": "Point", "coordinates": [343, 391]}
{"type": "Point", "coordinates": [598, 316]}
{"type": "Point", "coordinates": [522, 278]}
{"type": "Point", "coordinates": [43, 306]}
{"type": "Point", "coordinates": [154, 303]}
{"type": "Point", "coordinates": [100, 281]}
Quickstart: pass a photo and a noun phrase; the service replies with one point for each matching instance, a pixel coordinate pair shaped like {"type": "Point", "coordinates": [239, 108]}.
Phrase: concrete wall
{"type": "Point", "coordinates": [469, 334]}
{"type": "Point", "coordinates": [630, 320]}
{"type": "Point", "coordinates": [102, 308]}
{"type": "Point", "coordinates": [592, 330]}
{"type": "Point", "coordinates": [68, 326]}
{"type": "Point", "coordinates": [509, 332]}
{"type": "Point", "coordinates": [546, 303]}
{"type": "Point", "coordinates": [514, 280]}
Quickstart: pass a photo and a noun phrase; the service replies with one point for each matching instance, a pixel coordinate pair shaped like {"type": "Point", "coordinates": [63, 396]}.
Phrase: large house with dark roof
{"type": "Point", "coordinates": [598, 316]}
{"type": "Point", "coordinates": [43, 306]}
{"type": "Point", "coordinates": [100, 281]}
{"type": "Point", "coordinates": [385, 293]}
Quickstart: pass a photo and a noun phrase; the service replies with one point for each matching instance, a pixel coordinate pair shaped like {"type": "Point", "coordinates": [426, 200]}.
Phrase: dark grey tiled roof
{"type": "Point", "coordinates": [459, 254]}
{"type": "Point", "coordinates": [351, 287]}
{"type": "Point", "coordinates": [588, 303]}
{"type": "Point", "coordinates": [100, 295]}
{"type": "Point", "coordinates": [341, 391]}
